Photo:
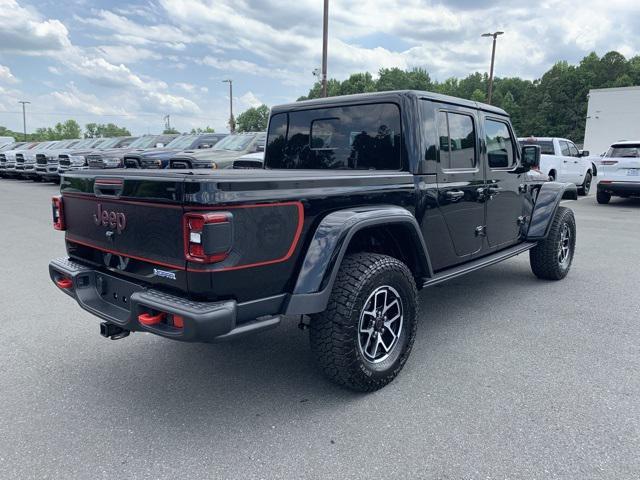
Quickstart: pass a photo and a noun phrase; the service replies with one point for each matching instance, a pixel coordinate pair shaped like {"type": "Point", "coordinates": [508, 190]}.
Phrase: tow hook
{"type": "Point", "coordinates": [114, 332]}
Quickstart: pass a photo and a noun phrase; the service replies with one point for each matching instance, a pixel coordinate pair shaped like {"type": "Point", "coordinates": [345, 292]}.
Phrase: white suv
{"type": "Point", "coordinates": [619, 171]}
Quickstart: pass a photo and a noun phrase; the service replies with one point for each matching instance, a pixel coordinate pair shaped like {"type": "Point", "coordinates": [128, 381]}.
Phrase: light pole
{"type": "Point", "coordinates": [24, 118]}
{"type": "Point", "coordinates": [232, 122]}
{"type": "Point", "coordinates": [493, 57]}
{"type": "Point", "coordinates": [325, 41]}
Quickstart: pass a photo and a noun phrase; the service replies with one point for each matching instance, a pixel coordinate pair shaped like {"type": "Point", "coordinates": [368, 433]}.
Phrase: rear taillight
{"type": "Point", "coordinates": [58, 213]}
{"type": "Point", "coordinates": [207, 236]}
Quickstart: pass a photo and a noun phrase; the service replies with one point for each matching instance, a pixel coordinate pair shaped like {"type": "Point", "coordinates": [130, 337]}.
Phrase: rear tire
{"type": "Point", "coordinates": [552, 176]}
{"type": "Point", "coordinates": [551, 258]}
{"type": "Point", "coordinates": [364, 337]}
{"type": "Point", "coordinates": [603, 197]}
{"type": "Point", "coordinates": [586, 185]}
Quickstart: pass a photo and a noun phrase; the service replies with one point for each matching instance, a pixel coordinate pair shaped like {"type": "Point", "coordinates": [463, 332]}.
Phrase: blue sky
{"type": "Point", "coordinates": [134, 62]}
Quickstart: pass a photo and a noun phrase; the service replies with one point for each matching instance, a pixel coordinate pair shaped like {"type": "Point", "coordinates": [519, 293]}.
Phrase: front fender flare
{"type": "Point", "coordinates": [329, 245]}
{"type": "Point", "coordinates": [547, 201]}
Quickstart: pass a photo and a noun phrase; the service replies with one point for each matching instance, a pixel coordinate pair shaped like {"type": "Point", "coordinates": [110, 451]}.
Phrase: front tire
{"type": "Point", "coordinates": [364, 337]}
{"type": "Point", "coordinates": [603, 197]}
{"type": "Point", "coordinates": [551, 258]}
{"type": "Point", "coordinates": [586, 185]}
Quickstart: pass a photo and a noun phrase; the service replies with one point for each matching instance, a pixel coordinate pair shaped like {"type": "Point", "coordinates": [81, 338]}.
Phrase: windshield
{"type": "Point", "coordinates": [234, 143]}
{"type": "Point", "coordinates": [109, 143]}
{"type": "Point", "coordinates": [144, 142]}
{"type": "Point", "coordinates": [546, 146]}
{"type": "Point", "coordinates": [182, 142]}
{"type": "Point", "coordinates": [103, 143]}
{"type": "Point", "coordinates": [624, 151]}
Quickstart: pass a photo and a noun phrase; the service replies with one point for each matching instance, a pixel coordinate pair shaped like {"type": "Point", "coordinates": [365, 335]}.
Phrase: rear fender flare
{"type": "Point", "coordinates": [329, 246]}
{"type": "Point", "coordinates": [547, 202]}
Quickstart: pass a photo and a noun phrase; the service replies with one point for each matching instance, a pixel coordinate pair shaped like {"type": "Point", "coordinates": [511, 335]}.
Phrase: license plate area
{"type": "Point", "coordinates": [115, 291]}
{"type": "Point", "coordinates": [633, 172]}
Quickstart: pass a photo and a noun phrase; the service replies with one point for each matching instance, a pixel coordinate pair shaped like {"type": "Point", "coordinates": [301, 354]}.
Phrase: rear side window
{"type": "Point", "coordinates": [359, 137]}
{"type": "Point", "coordinates": [546, 146]}
{"type": "Point", "coordinates": [457, 141]}
{"type": "Point", "coordinates": [500, 144]}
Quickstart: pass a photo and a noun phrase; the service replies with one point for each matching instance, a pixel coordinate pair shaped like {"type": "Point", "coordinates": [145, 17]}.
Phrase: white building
{"type": "Point", "coordinates": [613, 114]}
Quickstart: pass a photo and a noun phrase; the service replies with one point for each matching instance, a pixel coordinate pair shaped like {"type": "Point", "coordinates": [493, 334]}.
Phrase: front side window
{"type": "Point", "coordinates": [500, 144]}
{"type": "Point", "coordinates": [573, 150]}
{"type": "Point", "coordinates": [564, 149]}
{"type": "Point", "coordinates": [457, 139]}
{"type": "Point", "coordinates": [360, 137]}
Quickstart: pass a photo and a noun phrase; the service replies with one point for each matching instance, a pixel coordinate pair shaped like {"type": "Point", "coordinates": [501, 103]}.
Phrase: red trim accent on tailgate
{"type": "Point", "coordinates": [286, 257]}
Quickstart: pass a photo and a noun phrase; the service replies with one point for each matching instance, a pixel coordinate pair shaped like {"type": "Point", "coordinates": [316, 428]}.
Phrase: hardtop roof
{"type": "Point", "coordinates": [386, 96]}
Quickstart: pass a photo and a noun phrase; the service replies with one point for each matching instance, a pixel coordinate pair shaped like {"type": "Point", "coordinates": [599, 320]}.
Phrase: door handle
{"type": "Point", "coordinates": [565, 161]}
{"type": "Point", "coordinates": [454, 195]}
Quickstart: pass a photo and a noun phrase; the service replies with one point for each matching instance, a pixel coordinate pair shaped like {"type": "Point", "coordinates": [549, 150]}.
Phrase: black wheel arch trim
{"type": "Point", "coordinates": [329, 246]}
{"type": "Point", "coordinates": [547, 202]}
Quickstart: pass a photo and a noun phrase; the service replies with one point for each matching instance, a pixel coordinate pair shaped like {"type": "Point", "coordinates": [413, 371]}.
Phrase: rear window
{"type": "Point", "coordinates": [546, 146]}
{"type": "Point", "coordinates": [359, 137]}
{"type": "Point", "coordinates": [624, 151]}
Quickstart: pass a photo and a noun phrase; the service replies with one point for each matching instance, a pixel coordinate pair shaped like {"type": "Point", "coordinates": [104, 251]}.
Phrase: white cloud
{"type": "Point", "coordinates": [126, 54]}
{"type": "Point", "coordinates": [249, 100]}
{"type": "Point", "coordinates": [24, 31]}
{"type": "Point", "coordinates": [6, 76]}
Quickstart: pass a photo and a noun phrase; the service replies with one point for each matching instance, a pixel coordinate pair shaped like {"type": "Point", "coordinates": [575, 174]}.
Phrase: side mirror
{"type": "Point", "coordinates": [584, 153]}
{"type": "Point", "coordinates": [531, 156]}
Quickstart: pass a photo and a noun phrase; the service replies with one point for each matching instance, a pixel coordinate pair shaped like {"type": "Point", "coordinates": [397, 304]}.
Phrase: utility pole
{"type": "Point", "coordinates": [167, 122]}
{"type": "Point", "coordinates": [325, 41]}
{"type": "Point", "coordinates": [24, 119]}
{"type": "Point", "coordinates": [493, 57]}
{"type": "Point", "coordinates": [232, 122]}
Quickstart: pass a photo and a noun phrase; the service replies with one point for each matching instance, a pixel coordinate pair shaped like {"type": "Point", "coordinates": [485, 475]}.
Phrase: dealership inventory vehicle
{"type": "Point", "coordinates": [223, 154]}
{"type": "Point", "coordinates": [620, 172]}
{"type": "Point", "coordinates": [115, 157]}
{"type": "Point", "coordinates": [8, 157]}
{"type": "Point", "coordinates": [159, 158]}
{"type": "Point", "coordinates": [562, 161]}
{"type": "Point", "coordinates": [17, 167]}
{"type": "Point", "coordinates": [363, 201]}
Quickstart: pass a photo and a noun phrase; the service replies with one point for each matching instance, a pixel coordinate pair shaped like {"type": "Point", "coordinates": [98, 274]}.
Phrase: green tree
{"type": "Point", "coordinates": [170, 131]}
{"type": "Point", "coordinates": [96, 130]}
{"type": "Point", "coordinates": [206, 129]}
{"type": "Point", "coordinates": [253, 120]}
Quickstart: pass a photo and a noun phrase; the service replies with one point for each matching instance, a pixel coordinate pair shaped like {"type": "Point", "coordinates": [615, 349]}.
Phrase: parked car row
{"type": "Point", "coordinates": [46, 161]}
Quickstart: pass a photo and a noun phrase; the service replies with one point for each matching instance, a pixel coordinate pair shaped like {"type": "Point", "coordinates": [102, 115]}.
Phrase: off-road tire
{"type": "Point", "coordinates": [335, 333]}
{"type": "Point", "coordinates": [544, 257]}
{"type": "Point", "coordinates": [603, 197]}
{"type": "Point", "coordinates": [586, 185]}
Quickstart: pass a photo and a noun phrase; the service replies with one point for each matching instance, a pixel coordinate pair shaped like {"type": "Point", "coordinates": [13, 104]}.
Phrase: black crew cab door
{"type": "Point", "coordinates": [504, 194]}
{"type": "Point", "coordinates": [460, 178]}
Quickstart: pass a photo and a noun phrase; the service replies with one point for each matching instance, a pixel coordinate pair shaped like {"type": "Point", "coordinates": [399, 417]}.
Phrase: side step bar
{"type": "Point", "coordinates": [477, 264]}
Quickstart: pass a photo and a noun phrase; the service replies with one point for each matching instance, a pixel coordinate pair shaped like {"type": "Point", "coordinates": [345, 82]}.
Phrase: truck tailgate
{"type": "Point", "coordinates": [130, 225]}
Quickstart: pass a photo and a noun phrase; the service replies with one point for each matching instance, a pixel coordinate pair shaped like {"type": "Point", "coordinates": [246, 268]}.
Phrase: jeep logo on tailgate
{"type": "Point", "coordinates": [112, 219]}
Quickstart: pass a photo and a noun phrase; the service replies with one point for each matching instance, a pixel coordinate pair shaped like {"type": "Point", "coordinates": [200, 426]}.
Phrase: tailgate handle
{"type": "Point", "coordinates": [108, 187]}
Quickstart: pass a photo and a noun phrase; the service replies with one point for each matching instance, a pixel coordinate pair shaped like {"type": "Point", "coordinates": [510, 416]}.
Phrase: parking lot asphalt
{"type": "Point", "coordinates": [510, 377]}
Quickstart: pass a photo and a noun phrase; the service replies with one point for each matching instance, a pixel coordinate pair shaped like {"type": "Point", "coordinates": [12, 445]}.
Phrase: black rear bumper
{"type": "Point", "coordinates": [121, 302]}
{"type": "Point", "coordinates": [620, 188]}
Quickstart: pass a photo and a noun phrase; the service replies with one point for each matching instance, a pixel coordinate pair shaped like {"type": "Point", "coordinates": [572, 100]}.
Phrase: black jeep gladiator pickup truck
{"type": "Point", "coordinates": [363, 201]}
